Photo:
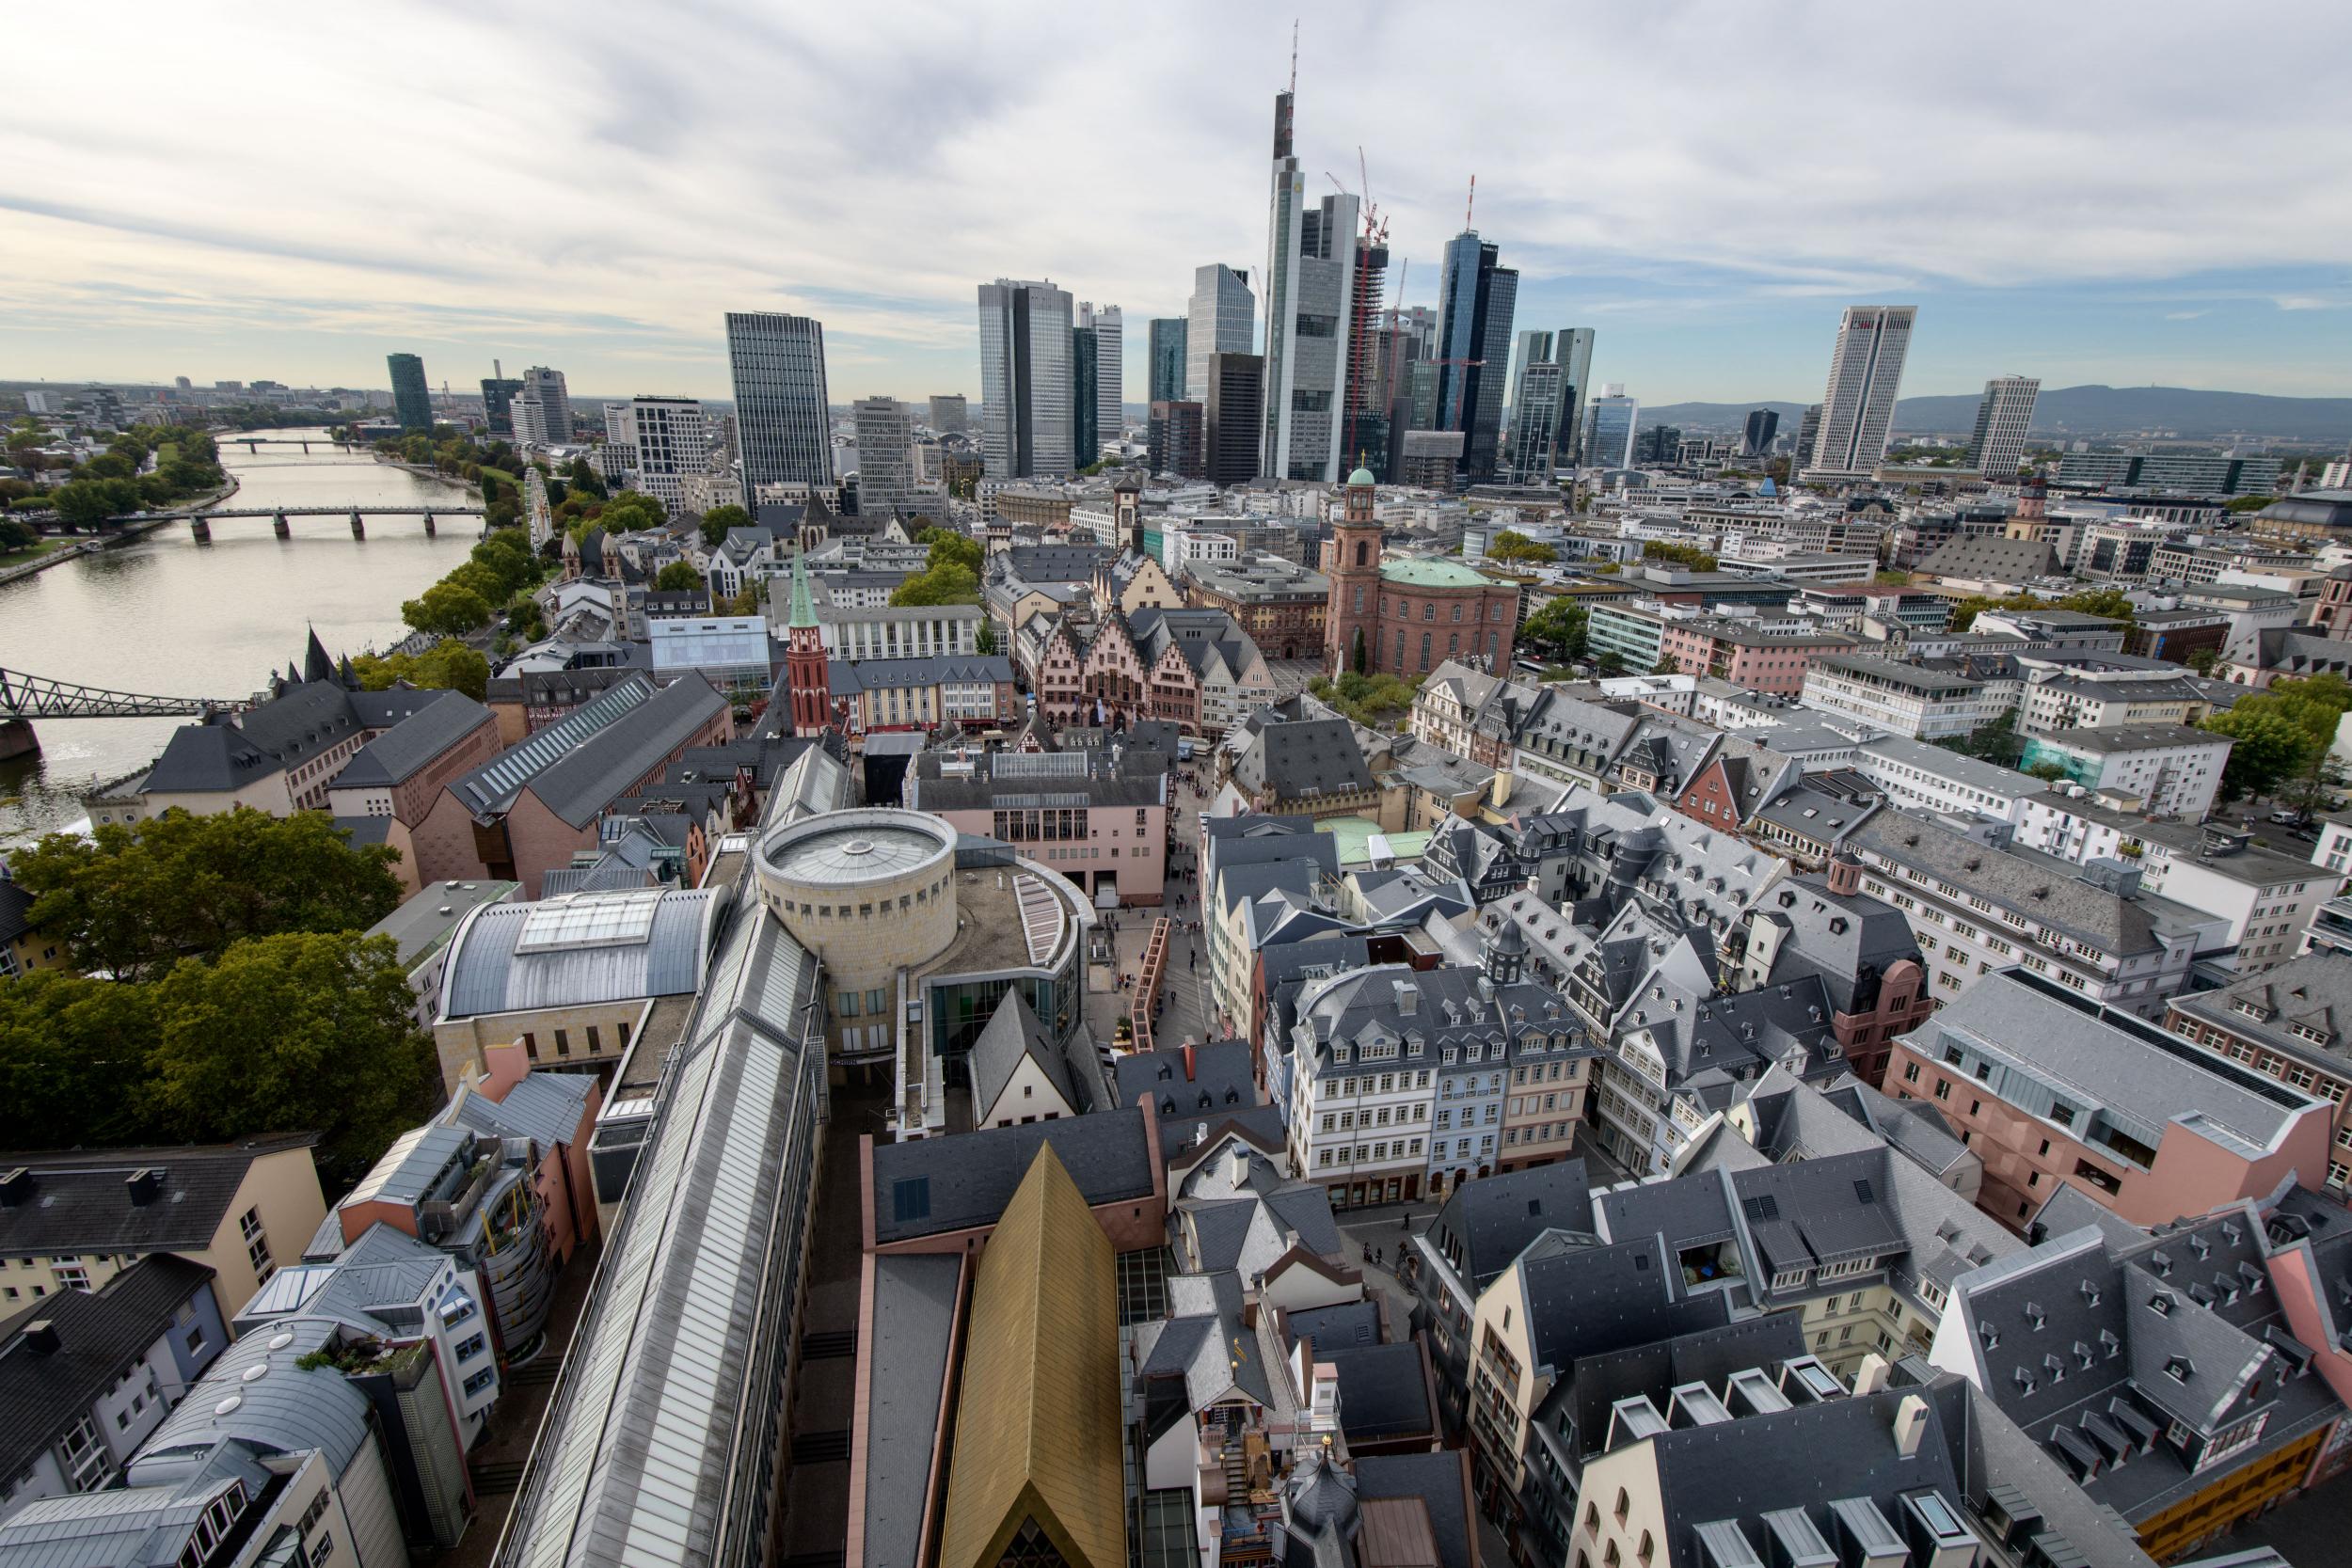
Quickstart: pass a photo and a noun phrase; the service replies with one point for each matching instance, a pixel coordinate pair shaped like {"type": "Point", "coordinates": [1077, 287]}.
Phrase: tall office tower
{"type": "Point", "coordinates": [1026, 376]}
{"type": "Point", "coordinates": [1168, 359]}
{"type": "Point", "coordinates": [1086, 395]}
{"type": "Point", "coordinates": [412, 400]}
{"type": "Point", "coordinates": [1808, 432]}
{"type": "Point", "coordinates": [1476, 299]}
{"type": "Point", "coordinates": [1222, 316]}
{"type": "Point", "coordinates": [1757, 438]}
{"type": "Point", "coordinates": [1544, 394]}
{"type": "Point", "coordinates": [672, 442]}
{"type": "Point", "coordinates": [1858, 407]}
{"type": "Point", "coordinates": [619, 454]}
{"type": "Point", "coordinates": [1234, 416]}
{"type": "Point", "coordinates": [885, 456]}
{"type": "Point", "coordinates": [498, 400]}
{"type": "Point", "coordinates": [542, 410]}
{"type": "Point", "coordinates": [1311, 255]}
{"type": "Point", "coordinates": [1999, 442]}
{"type": "Point", "coordinates": [949, 415]}
{"type": "Point", "coordinates": [1178, 438]}
{"type": "Point", "coordinates": [1609, 425]}
{"type": "Point", "coordinates": [1577, 356]}
{"type": "Point", "coordinates": [783, 422]}
{"type": "Point", "coordinates": [1110, 376]}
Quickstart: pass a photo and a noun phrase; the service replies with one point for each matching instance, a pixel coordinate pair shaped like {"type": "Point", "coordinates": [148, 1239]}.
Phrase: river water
{"type": "Point", "coordinates": [167, 616]}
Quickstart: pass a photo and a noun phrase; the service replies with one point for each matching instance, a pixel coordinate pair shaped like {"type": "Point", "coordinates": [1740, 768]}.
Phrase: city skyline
{"type": "Point", "coordinates": [2092, 236]}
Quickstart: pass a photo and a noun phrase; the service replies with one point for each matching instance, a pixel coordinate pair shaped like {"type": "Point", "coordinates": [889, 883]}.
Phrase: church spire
{"type": "Point", "coordinates": [804, 602]}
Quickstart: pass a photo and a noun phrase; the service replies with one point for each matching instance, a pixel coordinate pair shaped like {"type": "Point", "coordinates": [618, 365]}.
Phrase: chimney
{"type": "Point", "coordinates": [1871, 1376]}
{"type": "Point", "coordinates": [1408, 998]}
{"type": "Point", "coordinates": [16, 1185]}
{"type": "Point", "coordinates": [1189, 1061]}
{"type": "Point", "coordinates": [1911, 1419]}
{"type": "Point", "coordinates": [40, 1336]}
{"type": "Point", "coordinates": [145, 1186]}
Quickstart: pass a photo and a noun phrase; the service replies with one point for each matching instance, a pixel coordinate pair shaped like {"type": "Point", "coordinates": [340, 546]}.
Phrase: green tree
{"type": "Point", "coordinates": [130, 900]}
{"type": "Point", "coordinates": [2249, 503]}
{"type": "Point", "coordinates": [88, 502]}
{"type": "Point", "coordinates": [2048, 770]}
{"type": "Point", "coordinates": [678, 577]}
{"type": "Point", "coordinates": [449, 665]}
{"type": "Point", "coordinates": [2271, 749]}
{"type": "Point", "coordinates": [293, 1031]}
{"type": "Point", "coordinates": [1511, 545]}
{"type": "Point", "coordinates": [1559, 629]}
{"type": "Point", "coordinates": [1686, 555]}
{"type": "Point", "coordinates": [108, 464]}
{"type": "Point", "coordinates": [1358, 659]}
{"type": "Point", "coordinates": [447, 610]}
{"type": "Point", "coordinates": [719, 520]}
{"type": "Point", "coordinates": [69, 1048]}
{"type": "Point", "coordinates": [948, 582]}
{"type": "Point", "coordinates": [946, 545]}
{"type": "Point", "coordinates": [628, 511]}
{"type": "Point", "coordinates": [984, 640]}
{"type": "Point", "coordinates": [17, 534]}
{"type": "Point", "coordinates": [2202, 659]}
{"type": "Point", "coordinates": [582, 476]}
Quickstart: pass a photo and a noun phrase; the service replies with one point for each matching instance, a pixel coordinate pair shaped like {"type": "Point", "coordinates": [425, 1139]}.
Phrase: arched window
{"type": "Point", "coordinates": [1457, 612]}
{"type": "Point", "coordinates": [1359, 598]}
{"type": "Point", "coordinates": [1425, 650]}
{"type": "Point", "coordinates": [1428, 612]}
{"type": "Point", "coordinates": [1362, 547]}
{"type": "Point", "coordinates": [1452, 644]}
{"type": "Point", "coordinates": [1494, 646]}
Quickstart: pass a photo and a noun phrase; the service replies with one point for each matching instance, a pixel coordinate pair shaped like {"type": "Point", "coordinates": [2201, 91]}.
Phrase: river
{"type": "Point", "coordinates": [170, 617]}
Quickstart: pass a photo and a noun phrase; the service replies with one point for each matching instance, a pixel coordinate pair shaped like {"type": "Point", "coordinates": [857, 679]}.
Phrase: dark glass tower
{"type": "Point", "coordinates": [1477, 300]}
{"type": "Point", "coordinates": [412, 400]}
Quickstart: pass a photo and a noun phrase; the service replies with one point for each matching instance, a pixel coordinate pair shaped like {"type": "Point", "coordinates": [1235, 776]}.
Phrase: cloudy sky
{"type": "Point", "coordinates": [2131, 193]}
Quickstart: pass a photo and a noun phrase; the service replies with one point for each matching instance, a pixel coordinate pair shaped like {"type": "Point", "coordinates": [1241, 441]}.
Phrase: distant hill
{"type": "Point", "coordinates": [2184, 412]}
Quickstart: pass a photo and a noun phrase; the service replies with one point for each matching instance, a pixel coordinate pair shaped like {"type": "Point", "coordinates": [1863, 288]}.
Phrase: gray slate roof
{"type": "Point", "coordinates": [609, 764]}
{"type": "Point", "coordinates": [933, 1185]}
{"type": "Point", "coordinates": [78, 1201]}
{"type": "Point", "coordinates": [100, 1335]}
{"type": "Point", "coordinates": [400, 752]}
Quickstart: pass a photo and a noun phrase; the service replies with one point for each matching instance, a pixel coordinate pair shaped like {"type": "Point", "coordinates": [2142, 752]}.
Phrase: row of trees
{"type": "Point", "coordinates": [2283, 736]}
{"type": "Point", "coordinates": [2113, 603]}
{"type": "Point", "coordinates": [225, 991]}
{"type": "Point", "coordinates": [951, 576]}
{"type": "Point", "coordinates": [497, 572]}
{"type": "Point", "coordinates": [118, 480]}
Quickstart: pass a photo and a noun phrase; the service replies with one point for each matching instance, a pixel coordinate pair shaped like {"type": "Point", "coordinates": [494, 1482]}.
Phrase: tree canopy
{"type": "Point", "coordinates": [1376, 702]}
{"type": "Point", "coordinates": [1686, 555]}
{"type": "Point", "coordinates": [943, 583]}
{"type": "Point", "coordinates": [130, 900]}
{"type": "Point", "coordinates": [678, 577]}
{"type": "Point", "coordinates": [1558, 628]}
{"type": "Point", "coordinates": [447, 610]}
{"type": "Point", "coordinates": [449, 665]}
{"type": "Point", "coordinates": [719, 520]}
{"type": "Point", "coordinates": [1511, 545]}
{"type": "Point", "coordinates": [2282, 737]}
{"type": "Point", "coordinates": [2110, 601]}
{"type": "Point", "coordinates": [947, 545]}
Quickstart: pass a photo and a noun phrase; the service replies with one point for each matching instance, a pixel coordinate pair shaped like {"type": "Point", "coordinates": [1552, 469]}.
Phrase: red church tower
{"type": "Point", "coordinates": [804, 665]}
{"type": "Point", "coordinates": [1353, 613]}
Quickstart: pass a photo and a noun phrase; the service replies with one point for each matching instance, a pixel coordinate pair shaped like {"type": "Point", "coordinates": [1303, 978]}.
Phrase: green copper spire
{"type": "Point", "coordinates": [804, 603]}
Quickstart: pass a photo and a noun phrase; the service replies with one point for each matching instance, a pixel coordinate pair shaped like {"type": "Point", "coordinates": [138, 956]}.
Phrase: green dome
{"type": "Point", "coordinates": [1361, 476]}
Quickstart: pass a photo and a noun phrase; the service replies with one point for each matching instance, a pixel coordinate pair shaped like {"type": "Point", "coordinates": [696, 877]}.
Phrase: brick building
{"type": "Point", "coordinates": [1407, 617]}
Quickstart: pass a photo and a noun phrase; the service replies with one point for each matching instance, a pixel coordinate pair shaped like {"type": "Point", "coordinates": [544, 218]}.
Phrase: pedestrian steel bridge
{"type": "Point", "coordinates": [23, 696]}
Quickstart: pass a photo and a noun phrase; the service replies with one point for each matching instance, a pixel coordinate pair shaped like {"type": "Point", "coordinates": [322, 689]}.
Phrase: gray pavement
{"type": "Point", "coordinates": [1185, 989]}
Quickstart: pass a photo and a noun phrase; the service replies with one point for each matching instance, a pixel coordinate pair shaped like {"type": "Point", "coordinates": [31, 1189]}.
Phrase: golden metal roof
{"type": "Point", "coordinates": [1036, 1421]}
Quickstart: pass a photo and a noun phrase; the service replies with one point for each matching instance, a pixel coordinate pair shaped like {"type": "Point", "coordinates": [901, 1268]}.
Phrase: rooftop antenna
{"type": "Point", "coordinates": [1470, 204]}
{"type": "Point", "coordinates": [1293, 56]}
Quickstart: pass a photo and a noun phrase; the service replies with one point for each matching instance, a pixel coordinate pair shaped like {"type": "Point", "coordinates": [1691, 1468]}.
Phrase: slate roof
{"type": "Point", "coordinates": [79, 1202]}
{"type": "Point", "coordinates": [1487, 1223]}
{"type": "Point", "coordinates": [577, 785]}
{"type": "Point", "coordinates": [1992, 557]}
{"type": "Point", "coordinates": [1848, 941]}
{"type": "Point", "coordinates": [1657, 1366]}
{"type": "Point", "coordinates": [1013, 1034]}
{"type": "Point", "coordinates": [408, 747]}
{"type": "Point", "coordinates": [2054, 895]}
{"type": "Point", "coordinates": [1439, 1482]}
{"type": "Point", "coordinates": [1384, 1390]}
{"type": "Point", "coordinates": [1304, 760]}
{"type": "Point", "coordinates": [2132, 738]}
{"type": "Point", "coordinates": [2313, 994]}
{"type": "Point", "coordinates": [489, 789]}
{"type": "Point", "coordinates": [930, 1186]}
{"type": "Point", "coordinates": [1222, 1084]}
{"type": "Point", "coordinates": [1042, 563]}
{"type": "Point", "coordinates": [882, 674]}
{"type": "Point", "coordinates": [1585, 1300]}
{"type": "Point", "coordinates": [14, 904]}
{"type": "Point", "coordinates": [285, 732]}
{"type": "Point", "coordinates": [100, 1335]}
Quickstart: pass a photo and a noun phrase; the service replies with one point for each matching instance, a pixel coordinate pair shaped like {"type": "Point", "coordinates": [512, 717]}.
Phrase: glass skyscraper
{"type": "Point", "coordinates": [1168, 359]}
{"type": "Point", "coordinates": [1086, 391]}
{"type": "Point", "coordinates": [783, 422]}
{"type": "Point", "coordinates": [1026, 380]}
{"type": "Point", "coordinates": [412, 400]}
{"type": "Point", "coordinates": [1866, 370]}
{"type": "Point", "coordinates": [1221, 319]}
{"type": "Point", "coordinates": [1475, 300]}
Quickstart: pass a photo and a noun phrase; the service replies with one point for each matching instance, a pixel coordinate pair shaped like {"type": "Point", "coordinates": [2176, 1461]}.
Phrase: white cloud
{"type": "Point", "coordinates": [605, 184]}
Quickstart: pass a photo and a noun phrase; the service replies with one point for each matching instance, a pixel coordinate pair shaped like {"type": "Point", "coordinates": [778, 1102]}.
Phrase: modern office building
{"type": "Point", "coordinates": [1178, 438]}
{"type": "Point", "coordinates": [1548, 395]}
{"type": "Point", "coordinates": [1808, 432]}
{"type": "Point", "coordinates": [1610, 421]}
{"type": "Point", "coordinates": [498, 400]}
{"type": "Point", "coordinates": [1866, 372]}
{"type": "Point", "coordinates": [1026, 379]}
{"type": "Point", "coordinates": [1168, 359]}
{"type": "Point", "coordinates": [1221, 320]}
{"type": "Point", "coordinates": [1999, 441]}
{"type": "Point", "coordinates": [1757, 438]}
{"type": "Point", "coordinates": [670, 441]}
{"type": "Point", "coordinates": [412, 400]}
{"type": "Point", "coordinates": [1312, 254]}
{"type": "Point", "coordinates": [1111, 375]}
{"type": "Point", "coordinates": [1084, 395]}
{"type": "Point", "coordinates": [542, 410]}
{"type": "Point", "coordinates": [949, 415]}
{"type": "Point", "coordinates": [885, 456]}
{"type": "Point", "coordinates": [1476, 299]}
{"type": "Point", "coordinates": [783, 422]}
{"type": "Point", "coordinates": [1235, 406]}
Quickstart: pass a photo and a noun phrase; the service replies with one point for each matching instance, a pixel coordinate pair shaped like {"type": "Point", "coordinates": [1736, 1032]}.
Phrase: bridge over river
{"type": "Point", "coordinates": [202, 522]}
